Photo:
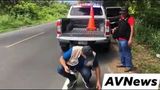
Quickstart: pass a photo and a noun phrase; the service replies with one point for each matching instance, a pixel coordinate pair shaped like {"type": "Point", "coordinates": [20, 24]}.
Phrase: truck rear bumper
{"type": "Point", "coordinates": [97, 44]}
{"type": "Point", "coordinates": [82, 38]}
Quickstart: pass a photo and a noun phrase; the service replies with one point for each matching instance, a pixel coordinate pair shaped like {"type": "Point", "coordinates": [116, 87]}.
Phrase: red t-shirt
{"type": "Point", "coordinates": [131, 22]}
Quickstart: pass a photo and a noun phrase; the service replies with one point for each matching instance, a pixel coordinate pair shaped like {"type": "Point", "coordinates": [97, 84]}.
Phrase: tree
{"type": "Point", "coordinates": [8, 1]}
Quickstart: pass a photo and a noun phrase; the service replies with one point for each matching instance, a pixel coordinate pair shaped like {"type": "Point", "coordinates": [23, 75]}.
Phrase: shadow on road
{"type": "Point", "coordinates": [109, 55]}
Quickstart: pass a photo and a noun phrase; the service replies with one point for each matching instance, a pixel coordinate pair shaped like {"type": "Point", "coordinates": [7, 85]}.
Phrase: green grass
{"type": "Point", "coordinates": [9, 23]}
{"type": "Point", "coordinates": [28, 13]}
{"type": "Point", "coordinates": [149, 36]}
{"type": "Point", "coordinates": [145, 48]}
{"type": "Point", "coordinates": [144, 60]}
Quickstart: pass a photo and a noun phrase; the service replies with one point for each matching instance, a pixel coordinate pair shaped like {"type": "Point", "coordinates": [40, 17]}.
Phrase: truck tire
{"type": "Point", "coordinates": [101, 48]}
{"type": "Point", "coordinates": [64, 46]}
{"type": "Point", "coordinates": [107, 47]}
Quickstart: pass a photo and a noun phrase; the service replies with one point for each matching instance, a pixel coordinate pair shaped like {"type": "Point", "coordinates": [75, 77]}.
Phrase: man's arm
{"type": "Point", "coordinates": [98, 74]}
{"type": "Point", "coordinates": [113, 30]}
{"type": "Point", "coordinates": [131, 23]}
{"type": "Point", "coordinates": [63, 59]}
{"type": "Point", "coordinates": [97, 70]}
{"type": "Point", "coordinates": [63, 63]}
{"type": "Point", "coordinates": [131, 35]}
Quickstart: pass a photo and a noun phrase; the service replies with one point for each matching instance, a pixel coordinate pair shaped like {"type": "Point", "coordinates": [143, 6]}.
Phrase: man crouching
{"type": "Point", "coordinates": [80, 59]}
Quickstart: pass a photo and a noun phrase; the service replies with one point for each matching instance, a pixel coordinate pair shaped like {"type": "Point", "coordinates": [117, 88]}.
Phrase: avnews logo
{"type": "Point", "coordinates": [131, 81]}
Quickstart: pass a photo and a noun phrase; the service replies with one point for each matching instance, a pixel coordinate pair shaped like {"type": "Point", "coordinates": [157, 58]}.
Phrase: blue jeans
{"type": "Point", "coordinates": [125, 53]}
{"type": "Point", "coordinates": [84, 71]}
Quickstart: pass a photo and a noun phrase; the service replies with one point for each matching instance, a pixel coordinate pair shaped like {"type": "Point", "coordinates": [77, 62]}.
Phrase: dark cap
{"type": "Point", "coordinates": [123, 10]}
{"type": "Point", "coordinates": [87, 50]}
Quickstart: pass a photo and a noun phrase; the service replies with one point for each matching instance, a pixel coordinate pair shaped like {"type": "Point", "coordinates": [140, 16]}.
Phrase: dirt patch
{"type": "Point", "coordinates": [143, 60]}
{"type": "Point", "coordinates": [116, 60]}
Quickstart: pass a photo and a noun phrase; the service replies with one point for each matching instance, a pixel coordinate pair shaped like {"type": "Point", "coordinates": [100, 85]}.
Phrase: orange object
{"type": "Point", "coordinates": [91, 24]}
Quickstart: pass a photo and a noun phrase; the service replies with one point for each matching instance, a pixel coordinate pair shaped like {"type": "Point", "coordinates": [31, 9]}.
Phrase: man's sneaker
{"type": "Point", "coordinates": [72, 83]}
{"type": "Point", "coordinates": [120, 65]}
{"type": "Point", "coordinates": [128, 69]}
{"type": "Point", "coordinates": [87, 84]}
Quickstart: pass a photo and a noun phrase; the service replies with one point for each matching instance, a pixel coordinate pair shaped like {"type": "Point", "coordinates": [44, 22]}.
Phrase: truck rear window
{"type": "Point", "coordinates": [80, 11]}
{"type": "Point", "coordinates": [112, 12]}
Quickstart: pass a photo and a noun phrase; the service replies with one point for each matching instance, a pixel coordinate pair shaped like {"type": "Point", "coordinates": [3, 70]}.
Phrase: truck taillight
{"type": "Point", "coordinates": [107, 30]}
{"type": "Point", "coordinates": [107, 23]}
{"type": "Point", "coordinates": [108, 33]}
{"type": "Point", "coordinates": [58, 25]}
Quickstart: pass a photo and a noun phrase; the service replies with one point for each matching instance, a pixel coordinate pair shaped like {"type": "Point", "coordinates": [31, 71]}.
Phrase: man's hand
{"type": "Point", "coordinates": [66, 69]}
{"type": "Point", "coordinates": [98, 86]}
{"type": "Point", "coordinates": [63, 63]}
{"type": "Point", "coordinates": [113, 30]}
{"type": "Point", "coordinates": [130, 43]}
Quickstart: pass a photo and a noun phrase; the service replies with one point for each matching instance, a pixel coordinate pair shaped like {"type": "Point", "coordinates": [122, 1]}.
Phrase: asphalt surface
{"type": "Point", "coordinates": [29, 57]}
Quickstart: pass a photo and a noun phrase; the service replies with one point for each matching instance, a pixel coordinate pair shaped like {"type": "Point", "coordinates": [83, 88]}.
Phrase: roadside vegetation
{"type": "Point", "coordinates": [147, 35]}
{"type": "Point", "coordinates": [29, 12]}
{"type": "Point", "coordinates": [146, 43]}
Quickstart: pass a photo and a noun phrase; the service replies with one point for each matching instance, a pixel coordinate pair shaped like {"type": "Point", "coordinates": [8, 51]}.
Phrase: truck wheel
{"type": "Point", "coordinates": [64, 49]}
{"type": "Point", "coordinates": [107, 47]}
{"type": "Point", "coordinates": [64, 46]}
{"type": "Point", "coordinates": [104, 47]}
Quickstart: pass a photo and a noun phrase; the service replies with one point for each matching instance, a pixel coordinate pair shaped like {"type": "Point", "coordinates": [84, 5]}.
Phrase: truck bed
{"type": "Point", "coordinates": [77, 28]}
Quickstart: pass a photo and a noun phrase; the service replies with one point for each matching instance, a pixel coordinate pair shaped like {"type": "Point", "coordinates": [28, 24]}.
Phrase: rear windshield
{"type": "Point", "coordinates": [112, 12]}
{"type": "Point", "coordinates": [79, 11]}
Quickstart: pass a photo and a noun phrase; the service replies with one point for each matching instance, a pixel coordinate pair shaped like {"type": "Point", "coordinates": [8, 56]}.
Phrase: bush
{"type": "Point", "coordinates": [151, 17]}
{"type": "Point", "coordinates": [33, 11]}
{"type": "Point", "coordinates": [26, 13]}
{"type": "Point", "coordinates": [26, 9]}
{"type": "Point", "coordinates": [53, 12]}
{"type": "Point", "coordinates": [8, 22]}
{"type": "Point", "coordinates": [148, 35]}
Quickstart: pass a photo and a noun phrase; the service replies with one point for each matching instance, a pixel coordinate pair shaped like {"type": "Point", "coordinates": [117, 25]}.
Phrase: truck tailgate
{"type": "Point", "coordinates": [82, 32]}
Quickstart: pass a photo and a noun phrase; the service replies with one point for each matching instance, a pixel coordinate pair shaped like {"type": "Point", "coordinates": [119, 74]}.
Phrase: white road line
{"type": "Point", "coordinates": [65, 84]}
{"type": "Point", "coordinates": [25, 39]}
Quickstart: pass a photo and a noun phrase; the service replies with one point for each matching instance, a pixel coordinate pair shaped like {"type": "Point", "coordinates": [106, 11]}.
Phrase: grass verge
{"type": "Point", "coordinates": [144, 60]}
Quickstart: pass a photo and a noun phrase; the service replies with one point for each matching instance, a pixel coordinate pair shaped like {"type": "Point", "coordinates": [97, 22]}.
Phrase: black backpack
{"type": "Point", "coordinates": [123, 29]}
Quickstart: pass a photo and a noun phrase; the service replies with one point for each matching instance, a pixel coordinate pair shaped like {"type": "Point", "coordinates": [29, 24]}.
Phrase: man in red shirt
{"type": "Point", "coordinates": [124, 35]}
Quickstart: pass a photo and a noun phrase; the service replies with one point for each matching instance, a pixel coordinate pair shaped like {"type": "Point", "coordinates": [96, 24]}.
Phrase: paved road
{"type": "Point", "coordinates": [29, 57]}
